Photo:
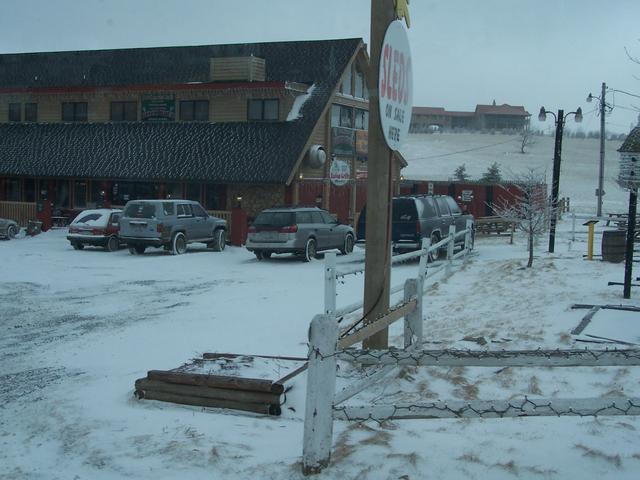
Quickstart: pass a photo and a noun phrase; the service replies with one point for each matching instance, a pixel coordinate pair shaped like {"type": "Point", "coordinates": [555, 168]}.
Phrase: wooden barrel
{"type": "Point", "coordinates": [613, 245]}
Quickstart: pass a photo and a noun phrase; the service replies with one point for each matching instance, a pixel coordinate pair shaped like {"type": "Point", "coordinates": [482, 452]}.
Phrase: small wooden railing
{"type": "Point", "coordinates": [21, 212]}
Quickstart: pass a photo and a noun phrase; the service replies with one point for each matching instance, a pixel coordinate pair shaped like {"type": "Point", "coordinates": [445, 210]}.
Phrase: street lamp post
{"type": "Point", "coordinates": [557, 154]}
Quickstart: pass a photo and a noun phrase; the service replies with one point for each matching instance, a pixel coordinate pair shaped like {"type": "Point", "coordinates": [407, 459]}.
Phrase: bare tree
{"type": "Point", "coordinates": [528, 209]}
{"type": "Point", "coordinates": [526, 139]}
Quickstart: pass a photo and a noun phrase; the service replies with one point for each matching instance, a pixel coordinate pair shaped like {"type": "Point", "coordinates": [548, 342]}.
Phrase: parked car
{"type": "Point", "coordinates": [299, 230]}
{"type": "Point", "coordinates": [171, 224]}
{"type": "Point", "coordinates": [416, 217]}
{"type": "Point", "coordinates": [8, 228]}
{"type": "Point", "coordinates": [95, 227]}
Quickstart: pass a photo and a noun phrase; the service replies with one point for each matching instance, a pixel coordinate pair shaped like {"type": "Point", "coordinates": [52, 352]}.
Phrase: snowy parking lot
{"type": "Point", "coordinates": [79, 327]}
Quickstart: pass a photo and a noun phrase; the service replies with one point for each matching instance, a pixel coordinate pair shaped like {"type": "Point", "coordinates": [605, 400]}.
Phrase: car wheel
{"type": "Point", "coordinates": [77, 245]}
{"type": "Point", "coordinates": [140, 249]}
{"type": "Point", "coordinates": [179, 244]}
{"type": "Point", "coordinates": [309, 250]}
{"type": "Point", "coordinates": [434, 254]}
{"type": "Point", "coordinates": [348, 245]}
{"type": "Point", "coordinates": [219, 240]}
{"type": "Point", "coordinates": [12, 232]}
{"type": "Point", "coordinates": [266, 255]}
{"type": "Point", "coordinates": [112, 244]}
{"type": "Point", "coordinates": [259, 254]}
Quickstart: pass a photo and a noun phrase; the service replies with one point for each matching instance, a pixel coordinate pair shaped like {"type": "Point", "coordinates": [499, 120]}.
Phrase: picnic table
{"type": "Point", "coordinates": [496, 225]}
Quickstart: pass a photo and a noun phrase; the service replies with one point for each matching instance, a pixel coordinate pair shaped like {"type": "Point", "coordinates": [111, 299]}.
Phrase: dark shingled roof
{"type": "Point", "coordinates": [632, 142]}
{"type": "Point", "coordinates": [251, 152]}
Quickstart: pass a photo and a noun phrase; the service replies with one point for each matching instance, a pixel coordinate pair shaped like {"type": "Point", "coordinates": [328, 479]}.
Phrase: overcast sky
{"type": "Point", "coordinates": [465, 52]}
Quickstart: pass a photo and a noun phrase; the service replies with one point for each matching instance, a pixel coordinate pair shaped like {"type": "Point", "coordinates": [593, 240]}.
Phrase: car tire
{"type": "Point", "coordinates": [266, 255]}
{"type": "Point", "coordinates": [219, 240]}
{"type": "Point", "coordinates": [112, 244]}
{"type": "Point", "coordinates": [434, 254]}
{"type": "Point", "coordinates": [178, 244]}
{"type": "Point", "coordinates": [347, 248]}
{"type": "Point", "coordinates": [309, 250]}
{"type": "Point", "coordinates": [12, 232]}
{"type": "Point", "coordinates": [77, 245]}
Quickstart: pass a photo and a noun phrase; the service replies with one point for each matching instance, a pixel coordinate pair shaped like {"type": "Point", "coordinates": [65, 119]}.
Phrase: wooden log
{"type": "Point", "coordinates": [213, 356]}
{"type": "Point", "coordinates": [216, 381]}
{"type": "Point", "coordinates": [208, 392]}
{"type": "Point", "coordinates": [264, 408]}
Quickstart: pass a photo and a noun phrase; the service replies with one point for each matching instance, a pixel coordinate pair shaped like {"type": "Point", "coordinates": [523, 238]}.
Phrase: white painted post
{"type": "Point", "coordinates": [330, 283]}
{"type": "Point", "coordinates": [467, 237]}
{"type": "Point", "coordinates": [450, 245]}
{"type": "Point", "coordinates": [424, 258]}
{"type": "Point", "coordinates": [321, 385]}
{"type": "Point", "coordinates": [413, 321]}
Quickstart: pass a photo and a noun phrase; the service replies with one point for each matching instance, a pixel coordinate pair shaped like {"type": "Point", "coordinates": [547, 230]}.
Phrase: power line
{"type": "Point", "coordinates": [464, 151]}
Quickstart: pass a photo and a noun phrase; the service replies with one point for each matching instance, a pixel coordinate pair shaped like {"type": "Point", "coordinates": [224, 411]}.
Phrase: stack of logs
{"type": "Point", "coordinates": [247, 394]}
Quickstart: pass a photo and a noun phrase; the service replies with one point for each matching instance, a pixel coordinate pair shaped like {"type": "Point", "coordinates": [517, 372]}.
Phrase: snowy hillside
{"type": "Point", "coordinates": [436, 156]}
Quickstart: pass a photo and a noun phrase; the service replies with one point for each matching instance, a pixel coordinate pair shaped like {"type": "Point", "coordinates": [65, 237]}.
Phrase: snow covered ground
{"type": "Point", "coordinates": [436, 156]}
{"type": "Point", "coordinates": [79, 327]}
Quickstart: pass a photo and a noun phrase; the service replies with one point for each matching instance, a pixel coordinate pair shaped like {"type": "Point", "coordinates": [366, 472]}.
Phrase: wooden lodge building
{"type": "Point", "coordinates": [483, 118]}
{"type": "Point", "coordinates": [246, 125]}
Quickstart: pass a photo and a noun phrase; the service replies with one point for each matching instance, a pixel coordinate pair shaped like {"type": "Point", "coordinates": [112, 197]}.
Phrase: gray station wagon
{"type": "Point", "coordinates": [171, 224]}
{"type": "Point", "coordinates": [299, 230]}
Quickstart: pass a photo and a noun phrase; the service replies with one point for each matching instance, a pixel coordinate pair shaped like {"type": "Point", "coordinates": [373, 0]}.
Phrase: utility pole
{"type": "Point", "coordinates": [379, 189]}
{"type": "Point", "coordinates": [600, 191]}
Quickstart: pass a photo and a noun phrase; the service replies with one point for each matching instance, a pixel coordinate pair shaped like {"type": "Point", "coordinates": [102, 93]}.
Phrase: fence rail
{"type": "Point", "coordinates": [21, 212]}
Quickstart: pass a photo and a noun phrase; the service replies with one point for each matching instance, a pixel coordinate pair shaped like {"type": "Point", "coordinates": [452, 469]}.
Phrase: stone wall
{"type": "Point", "coordinates": [255, 197]}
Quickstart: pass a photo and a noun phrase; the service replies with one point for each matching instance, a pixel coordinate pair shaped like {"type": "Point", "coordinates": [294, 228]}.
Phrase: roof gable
{"type": "Point", "coordinates": [632, 142]}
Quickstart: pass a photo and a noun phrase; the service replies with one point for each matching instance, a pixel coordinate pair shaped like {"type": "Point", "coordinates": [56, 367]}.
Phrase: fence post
{"type": "Point", "coordinates": [467, 236]}
{"type": "Point", "coordinates": [321, 385]}
{"type": "Point", "coordinates": [330, 283]}
{"type": "Point", "coordinates": [450, 245]}
{"type": "Point", "coordinates": [573, 227]}
{"type": "Point", "coordinates": [424, 258]}
{"type": "Point", "coordinates": [413, 321]}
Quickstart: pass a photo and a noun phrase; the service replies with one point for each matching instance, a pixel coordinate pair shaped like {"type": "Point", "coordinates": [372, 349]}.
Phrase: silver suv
{"type": "Point", "coordinates": [171, 224]}
{"type": "Point", "coordinates": [299, 230]}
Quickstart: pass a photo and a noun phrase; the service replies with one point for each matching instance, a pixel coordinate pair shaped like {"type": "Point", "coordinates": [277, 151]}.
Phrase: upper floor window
{"type": "Point", "coordinates": [263, 109]}
{"type": "Point", "coordinates": [15, 112]}
{"type": "Point", "coordinates": [361, 119]}
{"type": "Point", "coordinates": [74, 111]}
{"type": "Point", "coordinates": [194, 110]}
{"type": "Point", "coordinates": [124, 111]}
{"type": "Point", "coordinates": [360, 85]}
{"type": "Point", "coordinates": [347, 88]}
{"type": "Point", "coordinates": [30, 112]}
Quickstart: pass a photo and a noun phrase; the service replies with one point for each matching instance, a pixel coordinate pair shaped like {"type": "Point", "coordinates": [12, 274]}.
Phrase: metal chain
{"type": "Point", "coordinates": [492, 409]}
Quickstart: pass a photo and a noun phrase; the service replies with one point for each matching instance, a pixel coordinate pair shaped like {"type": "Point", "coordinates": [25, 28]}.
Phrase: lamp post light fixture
{"type": "Point", "coordinates": [560, 119]}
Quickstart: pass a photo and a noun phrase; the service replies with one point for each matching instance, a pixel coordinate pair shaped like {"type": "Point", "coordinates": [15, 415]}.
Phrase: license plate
{"type": "Point", "coordinates": [268, 236]}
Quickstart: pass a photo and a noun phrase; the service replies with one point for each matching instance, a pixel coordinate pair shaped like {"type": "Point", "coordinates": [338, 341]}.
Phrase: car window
{"type": "Point", "coordinates": [453, 206]}
{"type": "Point", "coordinates": [316, 217]}
{"type": "Point", "coordinates": [198, 211]}
{"type": "Point", "coordinates": [115, 217]}
{"type": "Point", "coordinates": [184, 210]}
{"type": "Point", "coordinates": [303, 217]}
{"type": "Point", "coordinates": [328, 218]}
{"type": "Point", "coordinates": [140, 210]}
{"type": "Point", "coordinates": [167, 208]}
{"type": "Point", "coordinates": [404, 210]}
{"type": "Point", "coordinates": [90, 217]}
{"type": "Point", "coordinates": [429, 207]}
{"type": "Point", "coordinates": [443, 207]}
{"type": "Point", "coordinates": [274, 219]}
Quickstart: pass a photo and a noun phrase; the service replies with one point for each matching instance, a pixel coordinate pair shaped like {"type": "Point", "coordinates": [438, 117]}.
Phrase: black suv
{"type": "Point", "coordinates": [421, 216]}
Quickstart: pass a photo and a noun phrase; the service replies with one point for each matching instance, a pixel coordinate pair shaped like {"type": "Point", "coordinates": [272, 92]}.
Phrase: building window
{"type": "Point", "coordinates": [341, 116]}
{"type": "Point", "coordinates": [359, 85]}
{"type": "Point", "coordinates": [194, 110]}
{"type": "Point", "coordinates": [266, 109]}
{"type": "Point", "coordinates": [15, 112]}
{"type": "Point", "coordinates": [74, 111]}
{"type": "Point", "coordinates": [30, 112]}
{"type": "Point", "coordinates": [361, 119]}
{"type": "Point", "coordinates": [346, 82]}
{"type": "Point", "coordinates": [80, 193]}
{"type": "Point", "coordinates": [124, 111]}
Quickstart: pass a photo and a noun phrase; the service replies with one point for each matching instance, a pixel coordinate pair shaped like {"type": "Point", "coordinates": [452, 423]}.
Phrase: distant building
{"type": "Point", "coordinates": [485, 117]}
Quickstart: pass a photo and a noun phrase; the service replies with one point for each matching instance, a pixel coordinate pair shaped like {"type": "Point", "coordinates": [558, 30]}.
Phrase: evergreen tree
{"type": "Point", "coordinates": [461, 173]}
{"type": "Point", "coordinates": [492, 175]}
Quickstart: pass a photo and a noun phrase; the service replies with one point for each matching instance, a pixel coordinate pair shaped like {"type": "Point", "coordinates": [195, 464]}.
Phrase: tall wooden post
{"type": "Point", "coordinates": [379, 188]}
{"type": "Point", "coordinates": [555, 182]}
{"type": "Point", "coordinates": [631, 228]}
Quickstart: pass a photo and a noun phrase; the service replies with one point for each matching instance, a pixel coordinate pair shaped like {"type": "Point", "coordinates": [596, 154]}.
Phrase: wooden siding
{"type": "Point", "coordinates": [250, 69]}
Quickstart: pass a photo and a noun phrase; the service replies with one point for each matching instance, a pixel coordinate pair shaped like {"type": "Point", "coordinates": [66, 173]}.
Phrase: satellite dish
{"type": "Point", "coordinates": [317, 156]}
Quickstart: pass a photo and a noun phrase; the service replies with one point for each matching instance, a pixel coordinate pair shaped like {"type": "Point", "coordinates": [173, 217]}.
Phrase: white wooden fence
{"type": "Point", "coordinates": [325, 340]}
{"type": "Point", "coordinates": [327, 345]}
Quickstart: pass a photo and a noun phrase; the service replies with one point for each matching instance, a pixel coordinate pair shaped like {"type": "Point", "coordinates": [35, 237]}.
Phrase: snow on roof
{"type": "Point", "coordinates": [298, 103]}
